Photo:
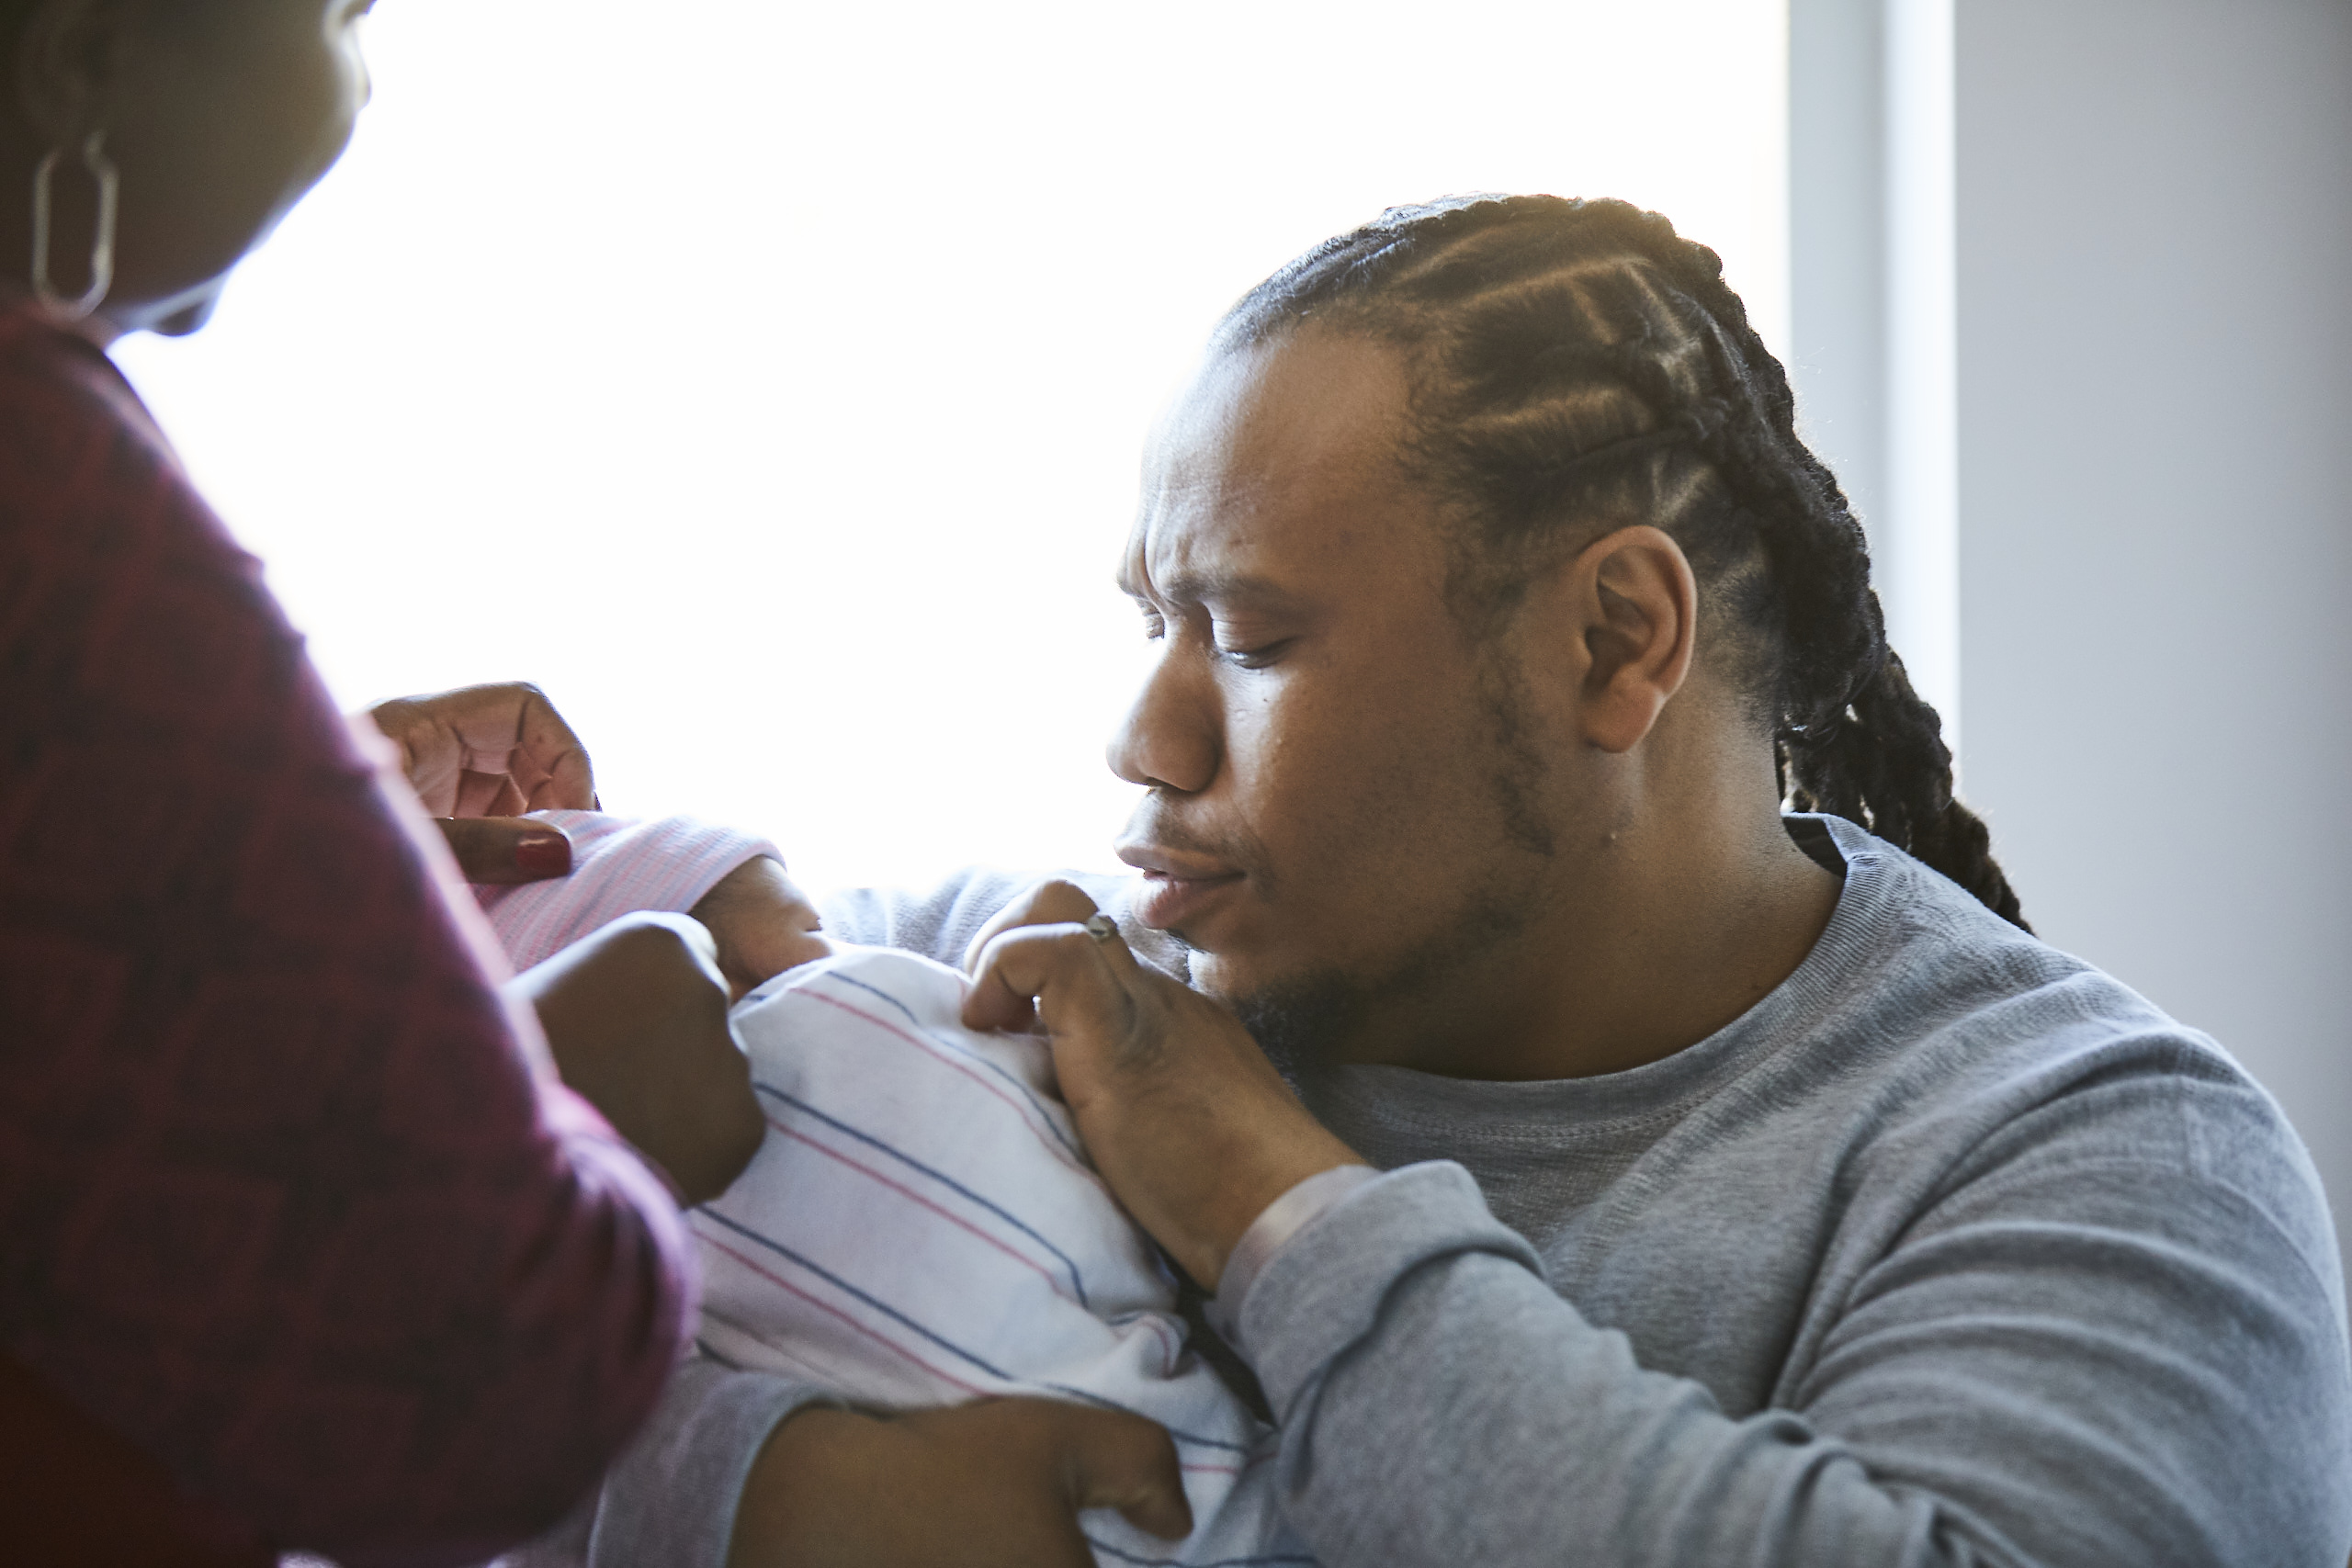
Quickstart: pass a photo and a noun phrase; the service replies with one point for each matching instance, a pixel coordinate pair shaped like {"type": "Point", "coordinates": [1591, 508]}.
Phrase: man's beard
{"type": "Point", "coordinates": [1307, 1021]}
{"type": "Point", "coordinates": [1301, 1023]}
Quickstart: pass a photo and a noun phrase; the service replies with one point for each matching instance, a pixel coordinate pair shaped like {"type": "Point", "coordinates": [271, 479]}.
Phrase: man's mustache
{"type": "Point", "coordinates": [1157, 823]}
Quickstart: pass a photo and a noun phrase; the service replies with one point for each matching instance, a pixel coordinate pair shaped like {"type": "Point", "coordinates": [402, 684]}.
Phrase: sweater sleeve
{"type": "Point", "coordinates": [2070, 1361]}
{"type": "Point", "coordinates": [290, 1198]}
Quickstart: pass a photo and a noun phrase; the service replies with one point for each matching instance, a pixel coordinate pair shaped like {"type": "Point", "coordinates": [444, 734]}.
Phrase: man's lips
{"type": "Point", "coordinates": [1183, 865]}
{"type": "Point", "coordinates": [1181, 885]}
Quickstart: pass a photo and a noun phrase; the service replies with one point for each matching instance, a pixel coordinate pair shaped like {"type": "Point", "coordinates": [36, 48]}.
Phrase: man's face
{"type": "Point", "coordinates": [1339, 822]}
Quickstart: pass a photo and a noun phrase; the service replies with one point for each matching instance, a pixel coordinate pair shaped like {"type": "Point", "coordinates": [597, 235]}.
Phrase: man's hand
{"type": "Point", "coordinates": [636, 1016]}
{"type": "Point", "coordinates": [991, 1485]}
{"type": "Point", "coordinates": [478, 758]}
{"type": "Point", "coordinates": [1184, 1115]}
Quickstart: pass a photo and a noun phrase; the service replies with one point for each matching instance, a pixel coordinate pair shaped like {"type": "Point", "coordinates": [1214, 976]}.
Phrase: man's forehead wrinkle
{"type": "Point", "coordinates": [1197, 565]}
{"type": "Point", "coordinates": [1130, 577]}
{"type": "Point", "coordinates": [1275, 460]}
{"type": "Point", "coordinates": [1173, 562]}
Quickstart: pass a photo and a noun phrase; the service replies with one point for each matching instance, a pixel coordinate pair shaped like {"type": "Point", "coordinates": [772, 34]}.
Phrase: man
{"type": "Point", "coordinates": [1755, 1191]}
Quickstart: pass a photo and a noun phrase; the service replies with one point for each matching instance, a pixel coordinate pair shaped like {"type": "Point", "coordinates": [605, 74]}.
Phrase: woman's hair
{"type": "Point", "coordinates": [1577, 365]}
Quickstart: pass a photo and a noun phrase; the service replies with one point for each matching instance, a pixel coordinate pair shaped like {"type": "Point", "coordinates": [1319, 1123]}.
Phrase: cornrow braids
{"type": "Point", "coordinates": [1577, 365]}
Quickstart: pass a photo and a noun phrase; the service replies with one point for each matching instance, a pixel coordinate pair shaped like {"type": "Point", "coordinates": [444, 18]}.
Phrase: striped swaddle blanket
{"type": "Point", "coordinates": [921, 1227]}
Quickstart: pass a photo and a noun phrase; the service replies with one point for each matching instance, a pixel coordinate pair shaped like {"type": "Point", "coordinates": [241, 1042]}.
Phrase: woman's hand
{"type": "Point", "coordinates": [636, 1015]}
{"type": "Point", "coordinates": [478, 758]}
{"type": "Point", "coordinates": [1185, 1117]}
{"type": "Point", "coordinates": [996, 1484]}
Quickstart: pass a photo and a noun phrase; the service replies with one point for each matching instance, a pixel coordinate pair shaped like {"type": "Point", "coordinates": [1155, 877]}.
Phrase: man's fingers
{"type": "Point", "coordinates": [1123, 1462]}
{"type": "Point", "coordinates": [1031, 933]}
{"type": "Point", "coordinates": [1073, 979]}
{"type": "Point", "coordinates": [1048, 903]}
{"type": "Point", "coordinates": [500, 852]}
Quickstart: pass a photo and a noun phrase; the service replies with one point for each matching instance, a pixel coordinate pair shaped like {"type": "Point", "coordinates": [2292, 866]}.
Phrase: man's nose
{"type": "Point", "coordinates": [1169, 739]}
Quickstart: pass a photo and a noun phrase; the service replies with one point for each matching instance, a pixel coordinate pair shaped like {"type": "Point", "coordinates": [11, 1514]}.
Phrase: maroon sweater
{"type": "Point", "coordinates": [289, 1204]}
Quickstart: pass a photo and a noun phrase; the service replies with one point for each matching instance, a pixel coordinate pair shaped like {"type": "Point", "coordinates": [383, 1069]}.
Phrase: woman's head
{"type": "Point", "coordinates": [219, 115]}
{"type": "Point", "coordinates": [1575, 368]}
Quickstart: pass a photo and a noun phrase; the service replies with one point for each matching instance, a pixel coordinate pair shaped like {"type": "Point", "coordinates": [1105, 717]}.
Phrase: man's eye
{"type": "Point", "coordinates": [1253, 658]}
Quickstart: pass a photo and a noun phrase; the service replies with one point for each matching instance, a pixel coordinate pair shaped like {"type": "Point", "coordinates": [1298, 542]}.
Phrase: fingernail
{"type": "Point", "coordinates": [543, 854]}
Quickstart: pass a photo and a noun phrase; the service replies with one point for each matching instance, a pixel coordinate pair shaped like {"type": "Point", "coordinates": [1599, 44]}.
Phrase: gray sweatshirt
{"type": "Point", "coordinates": [1951, 1250]}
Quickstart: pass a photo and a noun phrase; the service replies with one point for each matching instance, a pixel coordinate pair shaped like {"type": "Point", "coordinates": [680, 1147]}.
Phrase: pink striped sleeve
{"type": "Point", "coordinates": [618, 866]}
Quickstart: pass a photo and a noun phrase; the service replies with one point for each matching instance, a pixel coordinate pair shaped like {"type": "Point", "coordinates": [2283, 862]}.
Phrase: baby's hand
{"type": "Point", "coordinates": [763, 923]}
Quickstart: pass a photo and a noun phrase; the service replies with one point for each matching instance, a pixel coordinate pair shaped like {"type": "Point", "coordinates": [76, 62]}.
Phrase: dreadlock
{"type": "Point", "coordinates": [1575, 363]}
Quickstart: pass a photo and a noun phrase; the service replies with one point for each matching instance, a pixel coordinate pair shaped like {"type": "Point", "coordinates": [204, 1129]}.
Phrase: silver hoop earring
{"type": "Point", "coordinates": [108, 179]}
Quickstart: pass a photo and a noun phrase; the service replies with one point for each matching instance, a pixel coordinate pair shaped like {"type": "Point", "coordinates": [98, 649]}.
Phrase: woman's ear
{"type": "Point", "coordinates": [1632, 606]}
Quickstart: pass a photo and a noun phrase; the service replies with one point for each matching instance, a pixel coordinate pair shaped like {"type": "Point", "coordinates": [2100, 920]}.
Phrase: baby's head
{"type": "Point", "coordinates": [763, 924]}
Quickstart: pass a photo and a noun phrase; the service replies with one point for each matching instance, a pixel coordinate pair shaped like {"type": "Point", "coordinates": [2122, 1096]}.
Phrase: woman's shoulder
{"type": "Point", "coordinates": [89, 487]}
{"type": "Point", "coordinates": [137, 640]}
{"type": "Point", "coordinates": [102, 533]}
{"type": "Point", "coordinates": [59, 392]}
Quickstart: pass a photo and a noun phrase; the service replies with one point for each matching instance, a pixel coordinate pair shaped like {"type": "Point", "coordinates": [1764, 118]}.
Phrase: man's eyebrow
{"type": "Point", "coordinates": [1239, 590]}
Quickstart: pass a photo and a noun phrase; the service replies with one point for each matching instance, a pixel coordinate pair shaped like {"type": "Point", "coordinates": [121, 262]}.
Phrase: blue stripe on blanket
{"type": "Point", "coordinates": [1052, 1123]}
{"type": "Point", "coordinates": [1007, 1215]}
{"type": "Point", "coordinates": [894, 1315]}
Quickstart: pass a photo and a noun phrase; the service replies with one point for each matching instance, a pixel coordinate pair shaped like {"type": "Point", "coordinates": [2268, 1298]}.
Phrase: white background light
{"type": "Point", "coordinates": [768, 381]}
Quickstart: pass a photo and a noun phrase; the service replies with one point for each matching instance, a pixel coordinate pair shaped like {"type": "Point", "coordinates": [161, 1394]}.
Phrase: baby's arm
{"type": "Point", "coordinates": [763, 923]}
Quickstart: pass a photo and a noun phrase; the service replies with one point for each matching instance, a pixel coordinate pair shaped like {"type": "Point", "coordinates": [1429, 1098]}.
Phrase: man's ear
{"type": "Point", "coordinates": [1633, 601]}
{"type": "Point", "coordinates": [66, 63]}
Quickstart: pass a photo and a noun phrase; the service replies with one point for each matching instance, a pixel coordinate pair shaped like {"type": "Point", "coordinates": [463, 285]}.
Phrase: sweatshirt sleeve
{"type": "Point", "coordinates": [671, 1499]}
{"type": "Point", "coordinates": [290, 1197]}
{"type": "Point", "coordinates": [940, 922]}
{"type": "Point", "coordinates": [2076, 1362]}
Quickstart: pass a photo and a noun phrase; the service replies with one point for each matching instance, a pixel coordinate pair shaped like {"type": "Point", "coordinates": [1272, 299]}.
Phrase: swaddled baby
{"type": "Point", "coordinates": [922, 1226]}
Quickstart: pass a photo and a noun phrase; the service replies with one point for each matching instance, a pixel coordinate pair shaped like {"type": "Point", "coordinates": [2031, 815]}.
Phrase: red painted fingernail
{"type": "Point", "coordinates": [543, 854]}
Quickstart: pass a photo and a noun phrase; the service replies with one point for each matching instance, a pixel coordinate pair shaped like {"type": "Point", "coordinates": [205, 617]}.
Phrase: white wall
{"type": "Point", "coordinates": [1873, 322]}
{"type": "Point", "coordinates": [2155, 424]}
{"type": "Point", "coordinates": [1837, 243]}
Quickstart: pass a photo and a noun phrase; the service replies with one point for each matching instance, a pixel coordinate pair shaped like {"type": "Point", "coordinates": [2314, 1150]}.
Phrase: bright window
{"type": "Point", "coordinates": [768, 381]}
